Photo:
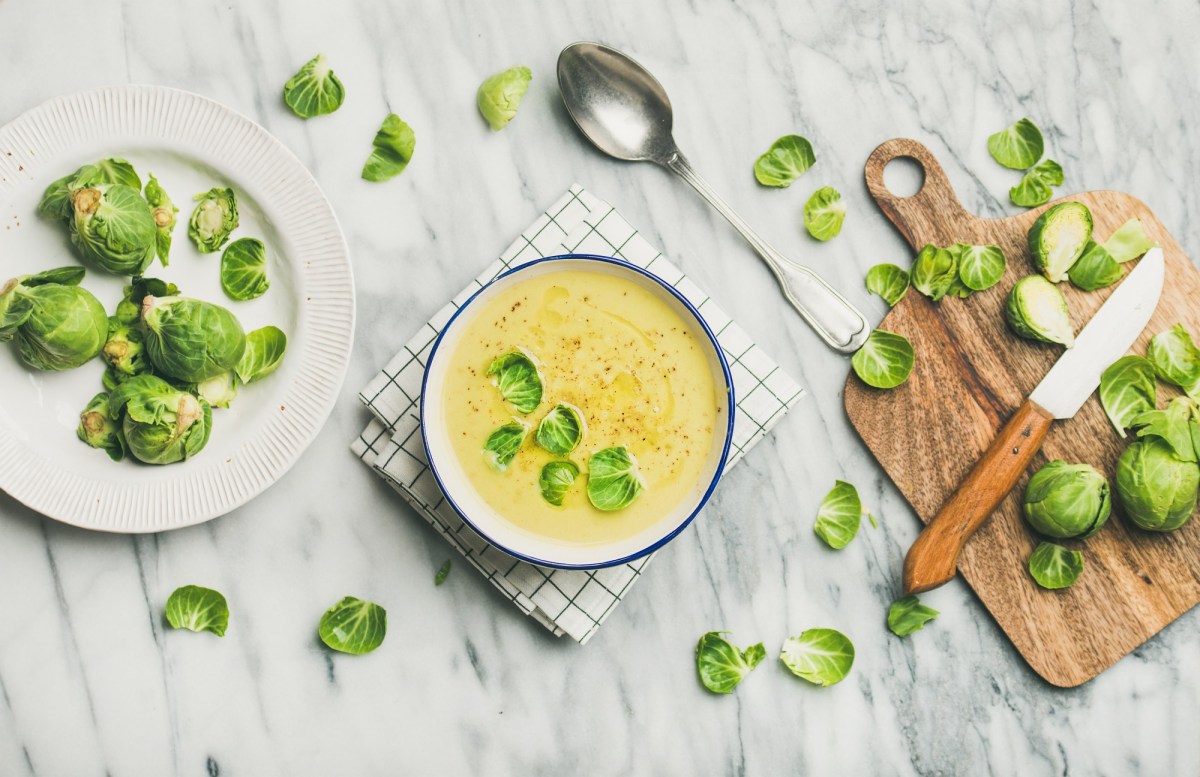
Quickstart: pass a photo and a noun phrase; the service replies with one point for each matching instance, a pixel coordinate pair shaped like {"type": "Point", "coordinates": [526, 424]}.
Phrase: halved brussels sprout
{"type": "Point", "coordinates": [162, 424]}
{"type": "Point", "coordinates": [1058, 237]}
{"type": "Point", "coordinates": [1156, 487]}
{"type": "Point", "coordinates": [113, 228]}
{"type": "Point", "coordinates": [1067, 500]}
{"type": "Point", "coordinates": [57, 324]}
{"type": "Point", "coordinates": [562, 429]}
{"type": "Point", "coordinates": [613, 479]}
{"type": "Point", "coordinates": [124, 350]}
{"type": "Point", "coordinates": [1037, 310]}
{"type": "Point", "coordinates": [215, 217]}
{"type": "Point", "coordinates": [500, 95]}
{"type": "Point", "coordinates": [98, 430]}
{"type": "Point", "coordinates": [191, 340]}
{"type": "Point", "coordinates": [164, 212]}
{"type": "Point", "coordinates": [219, 390]}
{"type": "Point", "coordinates": [244, 269]}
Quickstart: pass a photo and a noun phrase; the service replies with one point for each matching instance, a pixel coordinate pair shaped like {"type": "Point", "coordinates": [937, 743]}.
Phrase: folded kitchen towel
{"type": "Point", "coordinates": [568, 602]}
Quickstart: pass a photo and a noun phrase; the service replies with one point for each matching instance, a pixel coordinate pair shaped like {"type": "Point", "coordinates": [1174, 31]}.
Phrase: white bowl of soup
{"type": "Point", "coordinates": [577, 412]}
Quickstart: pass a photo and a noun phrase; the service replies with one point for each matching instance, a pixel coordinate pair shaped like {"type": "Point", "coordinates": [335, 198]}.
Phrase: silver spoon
{"type": "Point", "coordinates": [623, 110]}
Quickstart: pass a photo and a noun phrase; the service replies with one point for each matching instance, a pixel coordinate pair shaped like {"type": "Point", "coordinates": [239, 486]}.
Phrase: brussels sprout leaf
{"type": "Point", "coordinates": [721, 665]}
{"type": "Point", "coordinates": [164, 211]}
{"type": "Point", "coordinates": [888, 281]}
{"type": "Point", "coordinates": [1173, 425]}
{"type": "Point", "coordinates": [839, 516]}
{"type": "Point", "coordinates": [1095, 268]}
{"type": "Point", "coordinates": [1128, 389]}
{"type": "Point", "coordinates": [824, 213]}
{"type": "Point", "coordinates": [263, 355]}
{"type": "Point", "coordinates": [1054, 566]}
{"type": "Point", "coordinates": [314, 90]}
{"type": "Point", "coordinates": [820, 656]}
{"type": "Point", "coordinates": [442, 573]}
{"type": "Point", "coordinates": [1176, 359]}
{"type": "Point", "coordinates": [500, 95]}
{"type": "Point", "coordinates": [517, 378]}
{"type": "Point", "coordinates": [244, 269]}
{"type": "Point", "coordinates": [908, 615]}
{"type": "Point", "coordinates": [1129, 241]}
{"type": "Point", "coordinates": [393, 148]}
{"type": "Point", "coordinates": [501, 446]}
{"type": "Point", "coordinates": [785, 161]}
{"type": "Point", "coordinates": [613, 479]}
{"type": "Point", "coordinates": [980, 267]}
{"type": "Point", "coordinates": [1017, 147]}
{"type": "Point", "coordinates": [555, 479]}
{"type": "Point", "coordinates": [561, 430]}
{"type": "Point", "coordinates": [198, 609]}
{"type": "Point", "coordinates": [934, 271]}
{"type": "Point", "coordinates": [353, 626]}
{"type": "Point", "coordinates": [884, 361]}
{"type": "Point", "coordinates": [1035, 186]}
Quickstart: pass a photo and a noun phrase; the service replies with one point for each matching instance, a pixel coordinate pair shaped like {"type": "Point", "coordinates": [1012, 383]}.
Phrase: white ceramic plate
{"type": "Point", "coordinates": [191, 144]}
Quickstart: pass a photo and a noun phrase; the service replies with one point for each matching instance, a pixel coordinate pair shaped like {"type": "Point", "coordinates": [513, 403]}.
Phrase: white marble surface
{"type": "Point", "coordinates": [91, 683]}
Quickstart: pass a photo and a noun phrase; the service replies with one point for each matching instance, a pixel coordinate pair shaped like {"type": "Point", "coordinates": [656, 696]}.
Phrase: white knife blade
{"type": "Point", "coordinates": [1107, 336]}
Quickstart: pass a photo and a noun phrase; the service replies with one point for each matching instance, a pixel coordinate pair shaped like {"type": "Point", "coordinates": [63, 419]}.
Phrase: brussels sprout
{"type": "Point", "coordinates": [561, 429]}
{"type": "Point", "coordinates": [1128, 389]}
{"type": "Point", "coordinates": [1176, 359]}
{"type": "Point", "coordinates": [353, 626]}
{"type": "Point", "coordinates": [215, 217]}
{"type": "Point", "coordinates": [163, 210]}
{"type": "Point", "coordinates": [244, 269]}
{"type": "Point", "coordinates": [501, 446]}
{"type": "Point", "coordinates": [219, 390]}
{"type": "Point", "coordinates": [1058, 237]}
{"type": "Point", "coordinates": [518, 379]}
{"type": "Point", "coordinates": [500, 95]}
{"type": "Point", "coordinates": [721, 665]}
{"type": "Point", "coordinates": [785, 161]}
{"type": "Point", "coordinates": [824, 213]}
{"type": "Point", "coordinates": [392, 150]}
{"type": "Point", "coordinates": [98, 430]}
{"type": "Point", "coordinates": [613, 479]}
{"type": "Point", "coordinates": [1037, 310]}
{"type": "Point", "coordinates": [1054, 567]}
{"type": "Point", "coordinates": [1067, 500]}
{"type": "Point", "coordinates": [263, 354]}
{"type": "Point", "coordinates": [1017, 147]}
{"type": "Point", "coordinates": [314, 90]}
{"type": "Point", "coordinates": [889, 282]}
{"type": "Point", "coordinates": [162, 424]}
{"type": "Point", "coordinates": [57, 324]}
{"type": "Point", "coordinates": [1095, 268]}
{"type": "Point", "coordinates": [934, 271]}
{"type": "Point", "coordinates": [555, 479]}
{"type": "Point", "coordinates": [191, 340]}
{"type": "Point", "coordinates": [885, 360]}
{"type": "Point", "coordinates": [198, 609]}
{"type": "Point", "coordinates": [820, 656]}
{"type": "Point", "coordinates": [1156, 487]}
{"type": "Point", "coordinates": [1035, 186]}
{"type": "Point", "coordinates": [980, 267]}
{"type": "Point", "coordinates": [124, 350]}
{"type": "Point", "coordinates": [1129, 241]}
{"type": "Point", "coordinates": [113, 228]}
{"type": "Point", "coordinates": [839, 515]}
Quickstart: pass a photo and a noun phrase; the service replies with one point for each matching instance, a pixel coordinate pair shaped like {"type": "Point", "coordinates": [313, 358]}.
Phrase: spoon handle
{"type": "Point", "coordinates": [834, 319]}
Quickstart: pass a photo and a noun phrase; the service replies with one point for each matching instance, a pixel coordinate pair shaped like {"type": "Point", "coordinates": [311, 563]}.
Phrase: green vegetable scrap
{"type": "Point", "coordinates": [722, 666]}
{"type": "Point", "coordinates": [1129, 241]}
{"type": "Point", "coordinates": [164, 212]}
{"type": "Point", "coordinates": [1095, 268]}
{"type": "Point", "coordinates": [908, 615]}
{"type": "Point", "coordinates": [98, 430]}
{"type": "Point", "coordinates": [353, 626]}
{"type": "Point", "coordinates": [263, 355]}
{"type": "Point", "coordinates": [934, 271]}
{"type": "Point", "coordinates": [824, 213]}
{"type": "Point", "coordinates": [885, 360]}
{"type": "Point", "coordinates": [1156, 487]}
{"type": "Point", "coordinates": [499, 96]}
{"type": "Point", "coordinates": [561, 430]}
{"type": "Point", "coordinates": [556, 479]}
{"type": "Point", "coordinates": [839, 515]}
{"type": "Point", "coordinates": [1059, 237]}
{"type": "Point", "coordinates": [314, 90]}
{"type": "Point", "coordinates": [888, 281]}
{"type": "Point", "coordinates": [1067, 500]}
{"type": "Point", "coordinates": [442, 573]}
{"type": "Point", "coordinates": [198, 609]}
{"type": "Point", "coordinates": [161, 424]}
{"type": "Point", "coordinates": [1054, 566]}
{"type": "Point", "coordinates": [1017, 147]}
{"type": "Point", "coordinates": [517, 377]}
{"type": "Point", "coordinates": [1128, 389]}
{"type": "Point", "coordinates": [980, 267]}
{"type": "Point", "coordinates": [1036, 186]}
{"type": "Point", "coordinates": [785, 161]}
{"type": "Point", "coordinates": [1176, 359]}
{"type": "Point", "coordinates": [56, 323]}
{"type": "Point", "coordinates": [1037, 310]}
{"type": "Point", "coordinates": [244, 269]}
{"type": "Point", "coordinates": [820, 656]}
{"type": "Point", "coordinates": [613, 479]}
{"type": "Point", "coordinates": [191, 340]}
{"type": "Point", "coordinates": [213, 220]}
{"type": "Point", "coordinates": [501, 446]}
{"type": "Point", "coordinates": [391, 150]}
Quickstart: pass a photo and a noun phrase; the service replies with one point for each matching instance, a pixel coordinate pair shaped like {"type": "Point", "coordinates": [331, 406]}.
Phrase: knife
{"type": "Point", "coordinates": [933, 558]}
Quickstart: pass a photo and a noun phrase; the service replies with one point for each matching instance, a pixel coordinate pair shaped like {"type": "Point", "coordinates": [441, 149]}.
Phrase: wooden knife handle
{"type": "Point", "coordinates": [933, 558]}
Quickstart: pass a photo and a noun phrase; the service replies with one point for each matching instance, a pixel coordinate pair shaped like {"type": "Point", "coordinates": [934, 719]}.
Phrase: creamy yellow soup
{"type": "Point", "coordinates": [621, 355]}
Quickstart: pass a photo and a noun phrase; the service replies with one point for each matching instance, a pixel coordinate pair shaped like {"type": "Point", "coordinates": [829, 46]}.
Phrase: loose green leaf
{"type": "Point", "coordinates": [164, 212]}
{"type": "Point", "coordinates": [517, 377]}
{"type": "Point", "coordinates": [1095, 268]}
{"type": "Point", "coordinates": [353, 626]}
{"type": "Point", "coordinates": [263, 355]}
{"type": "Point", "coordinates": [392, 149]}
{"type": "Point", "coordinates": [556, 479]}
{"type": "Point", "coordinates": [1176, 359]}
{"type": "Point", "coordinates": [314, 90]}
{"type": "Point", "coordinates": [1066, 501]}
{"type": "Point", "coordinates": [824, 213]}
{"type": "Point", "coordinates": [1054, 566]}
{"type": "Point", "coordinates": [244, 269]}
{"type": "Point", "coordinates": [1129, 241]}
{"type": "Point", "coordinates": [934, 271]}
{"type": "Point", "coordinates": [820, 656]}
{"type": "Point", "coordinates": [500, 95]}
{"type": "Point", "coordinates": [501, 446]}
{"type": "Point", "coordinates": [980, 267]}
{"type": "Point", "coordinates": [198, 609]}
{"type": "Point", "coordinates": [561, 429]}
{"type": "Point", "coordinates": [1017, 147]}
{"type": "Point", "coordinates": [1036, 185]}
{"type": "Point", "coordinates": [1173, 425]}
{"type": "Point", "coordinates": [785, 161]}
{"type": "Point", "coordinates": [1157, 488]}
{"type": "Point", "coordinates": [888, 281]}
{"type": "Point", "coordinates": [1037, 310]}
{"type": "Point", "coordinates": [213, 220]}
{"type": "Point", "coordinates": [613, 479]}
{"type": "Point", "coordinates": [442, 573]}
{"type": "Point", "coordinates": [1058, 237]}
{"type": "Point", "coordinates": [884, 361]}
{"type": "Point", "coordinates": [908, 615]}
{"type": "Point", "coordinates": [839, 516]}
{"type": "Point", "coordinates": [721, 665]}
{"type": "Point", "coordinates": [1128, 389]}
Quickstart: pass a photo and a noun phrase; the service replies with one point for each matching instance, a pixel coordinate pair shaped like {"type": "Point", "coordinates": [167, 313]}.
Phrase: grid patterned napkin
{"type": "Point", "coordinates": [565, 601]}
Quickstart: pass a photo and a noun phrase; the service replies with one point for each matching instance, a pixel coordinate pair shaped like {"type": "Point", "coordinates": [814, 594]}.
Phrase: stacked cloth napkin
{"type": "Point", "coordinates": [569, 602]}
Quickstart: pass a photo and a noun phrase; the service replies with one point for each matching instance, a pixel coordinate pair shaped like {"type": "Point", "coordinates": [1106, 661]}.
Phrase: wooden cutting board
{"type": "Point", "coordinates": [970, 375]}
